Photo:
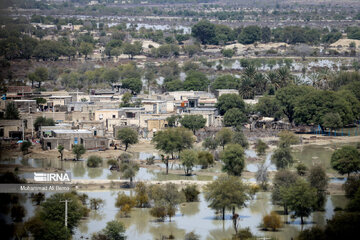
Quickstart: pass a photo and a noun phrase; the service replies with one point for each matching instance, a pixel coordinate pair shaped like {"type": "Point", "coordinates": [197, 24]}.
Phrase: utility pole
{"type": "Point", "coordinates": [66, 210]}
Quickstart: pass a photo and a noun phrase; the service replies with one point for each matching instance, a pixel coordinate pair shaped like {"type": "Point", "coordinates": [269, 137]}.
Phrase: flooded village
{"type": "Point", "coordinates": [189, 119]}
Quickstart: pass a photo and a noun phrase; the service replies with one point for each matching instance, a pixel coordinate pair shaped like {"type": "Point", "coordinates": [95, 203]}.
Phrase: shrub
{"type": "Point", "coordinates": [158, 212]}
{"type": "Point", "coordinates": [301, 169]}
{"type": "Point", "coordinates": [25, 146]}
{"type": "Point", "coordinates": [94, 161]}
{"type": "Point", "coordinates": [261, 147]}
{"type": "Point", "coordinates": [205, 159]}
{"type": "Point", "coordinates": [191, 193]}
{"type": "Point", "coordinates": [272, 221]}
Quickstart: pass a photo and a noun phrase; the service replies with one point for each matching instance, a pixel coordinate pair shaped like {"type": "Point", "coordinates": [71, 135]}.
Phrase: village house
{"type": "Point", "coordinates": [154, 106]}
{"type": "Point", "coordinates": [11, 129]}
{"type": "Point", "coordinates": [18, 92]}
{"type": "Point", "coordinates": [70, 137]}
{"type": "Point", "coordinates": [25, 105]}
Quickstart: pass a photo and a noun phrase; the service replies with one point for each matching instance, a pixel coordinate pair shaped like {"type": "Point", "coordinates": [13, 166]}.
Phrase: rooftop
{"type": "Point", "coordinates": [72, 131]}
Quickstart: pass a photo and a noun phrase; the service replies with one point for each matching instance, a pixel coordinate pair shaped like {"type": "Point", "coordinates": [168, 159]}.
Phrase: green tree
{"type": "Point", "coordinates": [283, 179]}
{"type": "Point", "coordinates": [301, 198]}
{"type": "Point", "coordinates": [188, 159]}
{"type": "Point", "coordinates": [196, 81]}
{"type": "Point", "coordinates": [191, 50]}
{"type": "Point", "coordinates": [125, 203]}
{"type": "Point", "coordinates": [11, 111]}
{"type": "Point", "coordinates": [204, 31]}
{"type": "Point", "coordinates": [43, 121]}
{"type": "Point", "coordinates": [287, 138]}
{"type": "Point", "coordinates": [128, 168]}
{"type": "Point", "coordinates": [344, 225]}
{"type": "Point", "coordinates": [313, 107]}
{"type": "Point", "coordinates": [314, 233]}
{"type": "Point", "coordinates": [234, 117]}
{"type": "Point", "coordinates": [78, 150]}
{"type": "Point", "coordinates": [39, 75]}
{"type": "Point", "coordinates": [86, 49]}
{"type": "Point", "coordinates": [287, 98]}
{"type": "Point", "coordinates": [351, 185]}
{"type": "Point", "coordinates": [239, 138]}
{"type": "Point", "coordinates": [25, 146]}
{"type": "Point", "coordinates": [166, 198]}
{"type": "Point", "coordinates": [127, 136]}
{"type": "Point", "coordinates": [205, 159]}
{"type": "Point", "coordinates": [193, 122]}
{"type": "Point", "coordinates": [225, 82]}
{"type": "Point", "coordinates": [226, 192]}
{"type": "Point", "coordinates": [141, 197]}
{"type": "Point", "coordinates": [210, 143]}
{"type": "Point", "coordinates": [224, 136]}
{"type": "Point", "coordinates": [332, 121]}
{"type": "Point", "coordinates": [261, 147]}
{"type": "Point", "coordinates": [191, 193]}
{"type": "Point", "coordinates": [282, 157]}
{"type": "Point", "coordinates": [126, 98]}
{"type": "Point", "coordinates": [132, 49]}
{"type": "Point", "coordinates": [173, 120]}
{"type": "Point", "coordinates": [301, 169]}
{"type": "Point", "coordinates": [354, 203]}
{"type": "Point", "coordinates": [173, 140]}
{"type": "Point", "coordinates": [47, 230]}
{"type": "Point", "coordinates": [61, 151]}
{"type": "Point", "coordinates": [346, 160]}
{"type": "Point", "coordinates": [134, 84]}
{"type": "Point", "coordinates": [233, 158]}
{"type": "Point", "coordinates": [111, 75]}
{"type": "Point", "coordinates": [250, 35]}
{"type": "Point", "coordinates": [318, 179]}
{"type": "Point", "coordinates": [94, 161]}
{"type": "Point", "coordinates": [268, 107]}
{"type": "Point", "coordinates": [96, 203]}
{"type": "Point", "coordinates": [114, 230]}
{"type": "Point", "coordinates": [228, 53]}
{"type": "Point", "coordinates": [229, 101]}
{"type": "Point", "coordinates": [54, 210]}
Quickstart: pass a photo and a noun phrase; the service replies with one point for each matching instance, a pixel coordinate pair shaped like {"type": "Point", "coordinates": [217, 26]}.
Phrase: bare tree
{"type": "Point", "coordinates": [262, 175]}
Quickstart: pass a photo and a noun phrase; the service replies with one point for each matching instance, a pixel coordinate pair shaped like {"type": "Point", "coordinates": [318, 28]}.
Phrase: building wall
{"type": "Point", "coordinates": [57, 116]}
{"type": "Point", "coordinates": [80, 116]}
{"type": "Point", "coordinates": [8, 126]}
{"type": "Point", "coordinates": [95, 143]}
{"type": "Point", "coordinates": [170, 106]}
{"type": "Point", "coordinates": [53, 143]}
{"type": "Point", "coordinates": [103, 115]}
{"type": "Point", "coordinates": [156, 124]}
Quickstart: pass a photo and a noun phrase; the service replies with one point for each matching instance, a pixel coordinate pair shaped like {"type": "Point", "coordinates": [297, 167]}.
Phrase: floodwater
{"type": "Point", "coordinates": [317, 154]}
{"type": "Point", "coordinates": [199, 218]}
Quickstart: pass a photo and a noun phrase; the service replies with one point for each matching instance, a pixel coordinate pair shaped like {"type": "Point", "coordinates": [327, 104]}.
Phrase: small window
{"type": "Point", "coordinates": [114, 116]}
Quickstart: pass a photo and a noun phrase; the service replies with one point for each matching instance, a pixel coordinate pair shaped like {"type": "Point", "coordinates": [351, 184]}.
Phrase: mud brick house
{"type": "Point", "coordinates": [70, 137]}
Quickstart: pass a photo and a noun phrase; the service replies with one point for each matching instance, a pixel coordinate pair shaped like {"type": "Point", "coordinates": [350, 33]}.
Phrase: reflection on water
{"type": "Point", "coordinates": [253, 167]}
{"type": "Point", "coordinates": [199, 218]}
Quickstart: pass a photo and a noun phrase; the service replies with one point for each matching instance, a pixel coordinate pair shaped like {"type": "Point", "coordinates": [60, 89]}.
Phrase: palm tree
{"type": "Point", "coordinates": [272, 78]}
{"type": "Point", "coordinates": [284, 76]}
